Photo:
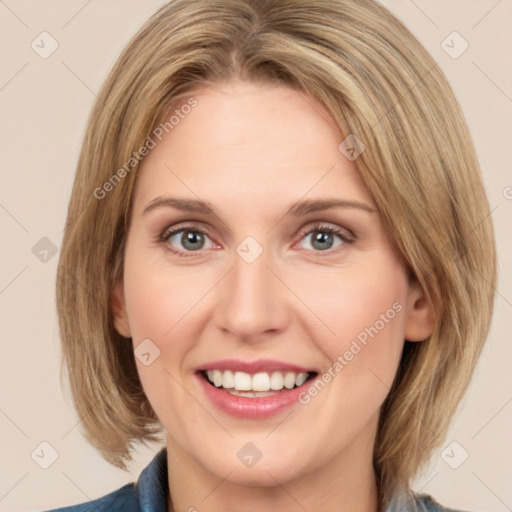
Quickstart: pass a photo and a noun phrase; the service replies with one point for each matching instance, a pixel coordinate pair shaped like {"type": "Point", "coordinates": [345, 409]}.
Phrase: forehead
{"type": "Point", "coordinates": [243, 140]}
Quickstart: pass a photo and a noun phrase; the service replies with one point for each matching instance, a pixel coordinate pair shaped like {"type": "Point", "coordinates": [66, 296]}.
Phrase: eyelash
{"type": "Point", "coordinates": [320, 227]}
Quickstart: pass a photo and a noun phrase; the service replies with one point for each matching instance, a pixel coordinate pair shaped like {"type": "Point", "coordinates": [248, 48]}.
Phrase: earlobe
{"type": "Point", "coordinates": [120, 316]}
{"type": "Point", "coordinates": [420, 317]}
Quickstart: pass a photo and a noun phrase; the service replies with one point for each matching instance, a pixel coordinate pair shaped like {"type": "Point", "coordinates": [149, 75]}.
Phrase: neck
{"type": "Point", "coordinates": [344, 483]}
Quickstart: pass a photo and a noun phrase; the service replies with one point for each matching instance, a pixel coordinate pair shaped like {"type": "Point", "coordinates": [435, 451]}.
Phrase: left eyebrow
{"type": "Point", "coordinates": [305, 207]}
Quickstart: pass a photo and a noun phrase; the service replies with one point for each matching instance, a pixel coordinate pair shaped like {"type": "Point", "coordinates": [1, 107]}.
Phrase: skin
{"type": "Point", "coordinates": [251, 151]}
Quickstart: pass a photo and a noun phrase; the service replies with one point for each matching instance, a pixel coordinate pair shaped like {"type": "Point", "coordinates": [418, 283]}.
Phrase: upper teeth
{"type": "Point", "coordinates": [262, 381]}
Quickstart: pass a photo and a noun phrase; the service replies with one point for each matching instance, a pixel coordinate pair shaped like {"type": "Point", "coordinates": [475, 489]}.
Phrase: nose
{"type": "Point", "coordinates": [252, 301]}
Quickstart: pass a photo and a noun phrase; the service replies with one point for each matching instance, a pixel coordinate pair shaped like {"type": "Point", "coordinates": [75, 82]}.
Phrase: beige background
{"type": "Point", "coordinates": [44, 107]}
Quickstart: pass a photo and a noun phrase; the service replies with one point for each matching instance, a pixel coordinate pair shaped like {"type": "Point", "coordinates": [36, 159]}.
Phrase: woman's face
{"type": "Point", "coordinates": [255, 251]}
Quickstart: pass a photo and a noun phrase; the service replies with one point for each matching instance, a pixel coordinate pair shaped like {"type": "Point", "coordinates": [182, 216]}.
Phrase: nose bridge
{"type": "Point", "coordinates": [251, 301]}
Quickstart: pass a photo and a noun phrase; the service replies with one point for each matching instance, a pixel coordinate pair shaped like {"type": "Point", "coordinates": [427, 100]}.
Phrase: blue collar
{"type": "Point", "coordinates": [153, 485]}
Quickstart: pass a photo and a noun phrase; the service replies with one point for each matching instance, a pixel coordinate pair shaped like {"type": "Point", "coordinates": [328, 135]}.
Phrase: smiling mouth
{"type": "Point", "coordinates": [256, 385]}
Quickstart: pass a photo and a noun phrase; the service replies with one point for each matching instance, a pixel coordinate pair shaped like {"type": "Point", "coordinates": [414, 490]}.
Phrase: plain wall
{"type": "Point", "coordinates": [44, 108]}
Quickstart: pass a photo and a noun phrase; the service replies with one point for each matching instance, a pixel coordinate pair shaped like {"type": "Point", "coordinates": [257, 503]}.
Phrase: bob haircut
{"type": "Point", "coordinates": [419, 164]}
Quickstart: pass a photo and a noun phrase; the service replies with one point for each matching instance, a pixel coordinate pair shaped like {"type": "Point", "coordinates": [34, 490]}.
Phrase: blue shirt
{"type": "Point", "coordinates": [151, 491]}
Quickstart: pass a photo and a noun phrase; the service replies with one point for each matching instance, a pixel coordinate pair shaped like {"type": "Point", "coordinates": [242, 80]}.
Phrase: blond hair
{"type": "Point", "coordinates": [379, 84]}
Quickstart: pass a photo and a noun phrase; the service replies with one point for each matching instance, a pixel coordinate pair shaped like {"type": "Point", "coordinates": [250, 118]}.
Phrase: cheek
{"type": "Point", "coordinates": [160, 299]}
{"type": "Point", "coordinates": [366, 312]}
{"type": "Point", "coordinates": [160, 305]}
{"type": "Point", "coordinates": [352, 303]}
{"type": "Point", "coordinates": [165, 306]}
{"type": "Point", "coordinates": [362, 329]}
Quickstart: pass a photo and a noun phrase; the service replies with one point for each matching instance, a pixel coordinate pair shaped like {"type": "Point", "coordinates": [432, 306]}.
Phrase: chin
{"type": "Point", "coordinates": [266, 466]}
{"type": "Point", "coordinates": [267, 474]}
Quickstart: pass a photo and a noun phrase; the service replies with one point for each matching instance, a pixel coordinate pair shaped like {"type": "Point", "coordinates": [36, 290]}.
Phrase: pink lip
{"type": "Point", "coordinates": [252, 408]}
{"type": "Point", "coordinates": [262, 365]}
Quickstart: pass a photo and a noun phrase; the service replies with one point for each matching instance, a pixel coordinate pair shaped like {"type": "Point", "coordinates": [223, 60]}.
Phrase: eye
{"type": "Point", "coordinates": [324, 238]}
{"type": "Point", "coordinates": [186, 240]}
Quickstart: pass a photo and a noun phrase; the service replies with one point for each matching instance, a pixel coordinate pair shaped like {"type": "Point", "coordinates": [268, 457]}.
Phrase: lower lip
{"type": "Point", "coordinates": [252, 408]}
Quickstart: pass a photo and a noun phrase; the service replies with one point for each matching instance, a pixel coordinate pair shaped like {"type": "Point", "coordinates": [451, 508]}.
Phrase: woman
{"type": "Point", "coordinates": [274, 251]}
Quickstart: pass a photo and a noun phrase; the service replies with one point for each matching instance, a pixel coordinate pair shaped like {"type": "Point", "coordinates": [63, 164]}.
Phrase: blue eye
{"type": "Point", "coordinates": [323, 238]}
{"type": "Point", "coordinates": [326, 240]}
{"type": "Point", "coordinates": [192, 239]}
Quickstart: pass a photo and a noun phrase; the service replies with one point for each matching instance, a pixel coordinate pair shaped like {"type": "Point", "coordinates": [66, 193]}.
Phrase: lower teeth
{"type": "Point", "coordinates": [251, 394]}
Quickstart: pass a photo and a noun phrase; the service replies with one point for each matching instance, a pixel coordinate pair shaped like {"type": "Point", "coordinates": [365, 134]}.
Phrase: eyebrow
{"type": "Point", "coordinates": [304, 207]}
{"type": "Point", "coordinates": [297, 209]}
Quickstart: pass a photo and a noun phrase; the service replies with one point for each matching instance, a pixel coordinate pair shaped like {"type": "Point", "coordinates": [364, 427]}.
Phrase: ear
{"type": "Point", "coordinates": [118, 305]}
{"type": "Point", "coordinates": [420, 318]}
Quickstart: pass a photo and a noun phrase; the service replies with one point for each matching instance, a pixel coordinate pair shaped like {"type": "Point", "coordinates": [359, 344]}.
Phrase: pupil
{"type": "Point", "coordinates": [322, 238]}
{"type": "Point", "coordinates": [190, 239]}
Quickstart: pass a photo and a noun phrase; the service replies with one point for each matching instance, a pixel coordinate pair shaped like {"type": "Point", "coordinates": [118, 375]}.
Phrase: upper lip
{"type": "Point", "coordinates": [261, 365]}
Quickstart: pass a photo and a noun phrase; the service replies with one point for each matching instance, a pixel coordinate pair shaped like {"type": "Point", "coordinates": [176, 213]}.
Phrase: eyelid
{"type": "Point", "coordinates": [187, 226]}
{"type": "Point", "coordinates": [328, 226]}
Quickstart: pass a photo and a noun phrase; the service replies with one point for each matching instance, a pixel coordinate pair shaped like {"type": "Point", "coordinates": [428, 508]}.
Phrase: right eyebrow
{"type": "Point", "coordinates": [186, 205]}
